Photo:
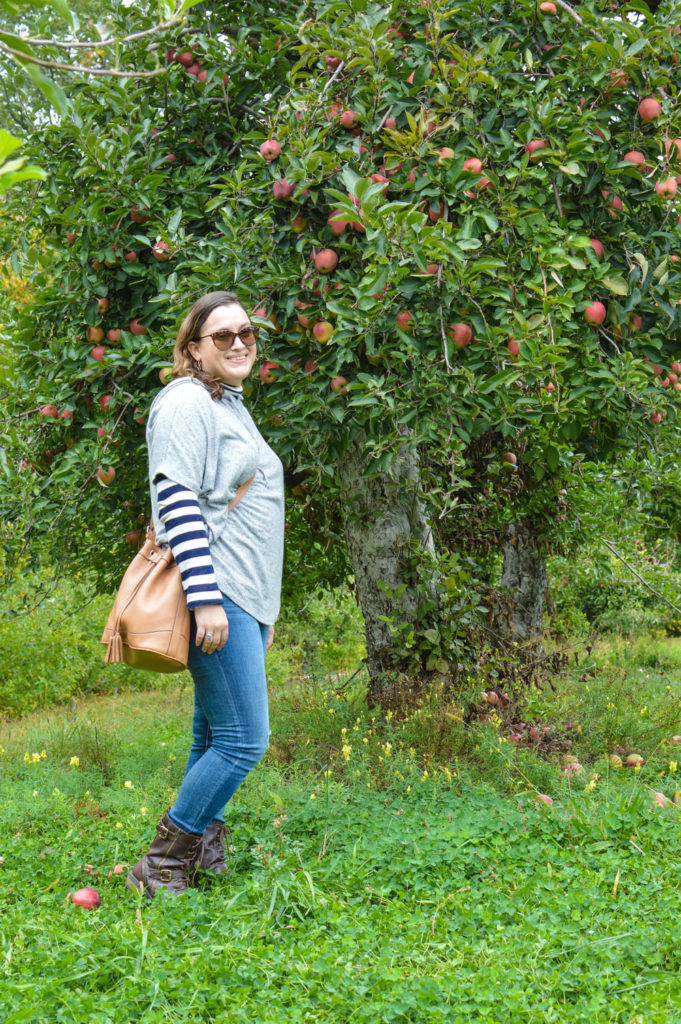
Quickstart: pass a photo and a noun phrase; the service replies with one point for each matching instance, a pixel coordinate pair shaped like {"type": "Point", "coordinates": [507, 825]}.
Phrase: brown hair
{"type": "Point", "coordinates": [184, 364]}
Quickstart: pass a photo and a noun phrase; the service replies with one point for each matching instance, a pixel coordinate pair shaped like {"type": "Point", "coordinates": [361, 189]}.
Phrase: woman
{"type": "Point", "coordinates": [204, 452]}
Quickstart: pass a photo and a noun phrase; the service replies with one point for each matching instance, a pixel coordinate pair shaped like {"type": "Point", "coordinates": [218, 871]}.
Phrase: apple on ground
{"type": "Point", "coordinates": [634, 760]}
{"type": "Point", "coordinates": [543, 798]}
{"type": "Point", "coordinates": [105, 476]}
{"type": "Point", "coordinates": [88, 898]}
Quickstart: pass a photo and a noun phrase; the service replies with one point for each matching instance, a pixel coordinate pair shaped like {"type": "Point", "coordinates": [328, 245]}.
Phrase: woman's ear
{"type": "Point", "coordinates": [194, 349]}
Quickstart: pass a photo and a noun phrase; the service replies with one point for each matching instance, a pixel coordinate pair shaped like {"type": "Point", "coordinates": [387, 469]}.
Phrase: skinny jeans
{"type": "Point", "coordinates": [230, 730]}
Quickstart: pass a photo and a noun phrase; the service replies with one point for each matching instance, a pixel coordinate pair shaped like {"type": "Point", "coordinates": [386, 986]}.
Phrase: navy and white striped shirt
{"type": "Point", "coordinates": [188, 538]}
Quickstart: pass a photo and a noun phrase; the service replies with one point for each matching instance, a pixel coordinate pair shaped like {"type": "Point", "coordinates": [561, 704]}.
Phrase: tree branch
{"type": "Point", "coordinates": [79, 68]}
{"type": "Point", "coordinates": [639, 577]}
{"type": "Point", "coordinates": [95, 44]}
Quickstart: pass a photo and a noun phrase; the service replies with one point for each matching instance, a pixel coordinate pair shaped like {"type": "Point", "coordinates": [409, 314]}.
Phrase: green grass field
{"type": "Point", "coordinates": [382, 871]}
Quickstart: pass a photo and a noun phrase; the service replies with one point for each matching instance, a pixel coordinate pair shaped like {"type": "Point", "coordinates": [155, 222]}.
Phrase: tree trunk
{"type": "Point", "coordinates": [524, 583]}
{"type": "Point", "coordinates": [385, 528]}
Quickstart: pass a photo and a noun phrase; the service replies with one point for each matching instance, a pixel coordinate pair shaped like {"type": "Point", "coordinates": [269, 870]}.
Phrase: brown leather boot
{"type": "Point", "coordinates": [165, 865]}
{"type": "Point", "coordinates": [213, 850]}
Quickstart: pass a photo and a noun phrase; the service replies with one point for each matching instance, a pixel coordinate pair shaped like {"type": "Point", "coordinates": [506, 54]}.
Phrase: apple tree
{"type": "Point", "coordinates": [460, 234]}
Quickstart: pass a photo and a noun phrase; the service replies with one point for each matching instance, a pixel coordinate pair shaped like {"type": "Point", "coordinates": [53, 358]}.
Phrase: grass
{"type": "Point", "coordinates": [383, 871]}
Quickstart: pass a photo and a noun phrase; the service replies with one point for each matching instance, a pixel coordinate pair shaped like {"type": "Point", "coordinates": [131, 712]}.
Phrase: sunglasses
{"type": "Point", "coordinates": [223, 340]}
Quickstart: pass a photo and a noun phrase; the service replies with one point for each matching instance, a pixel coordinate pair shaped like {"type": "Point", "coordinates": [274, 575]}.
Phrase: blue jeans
{"type": "Point", "coordinates": [231, 719]}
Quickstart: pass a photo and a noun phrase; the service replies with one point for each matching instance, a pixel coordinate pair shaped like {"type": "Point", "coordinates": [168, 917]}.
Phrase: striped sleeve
{"type": "Point", "coordinates": [180, 514]}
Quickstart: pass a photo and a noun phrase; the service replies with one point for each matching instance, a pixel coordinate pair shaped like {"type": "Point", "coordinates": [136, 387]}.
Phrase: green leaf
{"type": "Point", "coordinates": [617, 285]}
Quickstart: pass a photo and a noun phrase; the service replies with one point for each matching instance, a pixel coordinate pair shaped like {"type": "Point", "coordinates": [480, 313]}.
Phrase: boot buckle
{"type": "Point", "coordinates": [162, 831]}
{"type": "Point", "coordinates": [166, 875]}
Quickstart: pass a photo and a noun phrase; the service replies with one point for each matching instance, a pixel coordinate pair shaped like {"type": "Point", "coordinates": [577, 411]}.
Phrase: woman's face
{"type": "Point", "coordinates": [233, 365]}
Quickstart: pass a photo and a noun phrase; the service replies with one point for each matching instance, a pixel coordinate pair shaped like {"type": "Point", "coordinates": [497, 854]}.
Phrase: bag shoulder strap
{"type": "Point", "coordinates": [240, 491]}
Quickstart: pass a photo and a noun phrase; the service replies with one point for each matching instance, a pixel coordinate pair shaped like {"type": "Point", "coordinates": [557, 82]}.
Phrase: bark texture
{"type": "Point", "coordinates": [384, 524]}
{"type": "Point", "coordinates": [524, 582]}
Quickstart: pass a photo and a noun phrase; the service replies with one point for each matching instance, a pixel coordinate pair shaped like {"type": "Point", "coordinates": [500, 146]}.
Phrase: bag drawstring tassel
{"type": "Point", "coordinates": [114, 651]}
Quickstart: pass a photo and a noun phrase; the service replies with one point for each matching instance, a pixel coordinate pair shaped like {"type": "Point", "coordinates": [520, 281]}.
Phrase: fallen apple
{"type": "Point", "coordinates": [88, 898]}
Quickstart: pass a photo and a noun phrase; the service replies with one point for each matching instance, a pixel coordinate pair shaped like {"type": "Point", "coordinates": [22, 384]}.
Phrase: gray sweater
{"type": "Point", "coordinates": [211, 448]}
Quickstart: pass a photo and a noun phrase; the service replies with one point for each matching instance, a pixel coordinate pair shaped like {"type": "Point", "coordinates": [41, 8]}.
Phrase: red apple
{"type": "Point", "coordinates": [618, 79]}
{"type": "Point", "coordinates": [461, 334]}
{"type": "Point", "coordinates": [104, 402]}
{"type": "Point", "coordinates": [71, 237]}
{"type": "Point", "coordinates": [446, 153]}
{"type": "Point", "coordinates": [337, 222]}
{"type": "Point", "coordinates": [513, 347]}
{"type": "Point", "coordinates": [139, 215]}
{"type": "Point", "coordinates": [535, 146]}
{"type": "Point", "coordinates": [673, 149]}
{"type": "Point", "coordinates": [282, 189]}
{"type": "Point", "coordinates": [66, 415]}
{"type": "Point", "coordinates": [547, 7]}
{"type": "Point", "coordinates": [510, 458]}
{"type": "Point", "coordinates": [298, 224]}
{"type": "Point", "coordinates": [95, 334]}
{"type": "Point", "coordinates": [332, 62]}
{"type": "Point", "coordinates": [162, 250]}
{"type": "Point", "coordinates": [49, 410]}
{"type": "Point", "coordinates": [666, 188]}
{"type": "Point", "coordinates": [186, 59]}
{"type": "Point", "coordinates": [136, 328]}
{"type": "Point", "coordinates": [634, 156]}
{"type": "Point", "coordinates": [103, 304]}
{"type": "Point", "coordinates": [326, 260]}
{"type": "Point", "coordinates": [404, 319]}
{"type": "Point", "coordinates": [614, 202]}
{"type": "Point", "coordinates": [649, 109]}
{"type": "Point", "coordinates": [114, 335]}
{"type": "Point", "coordinates": [339, 385]}
{"type": "Point", "coordinates": [543, 798]}
{"type": "Point", "coordinates": [105, 476]}
{"type": "Point", "coordinates": [349, 118]}
{"type": "Point", "coordinates": [88, 898]}
{"type": "Point", "coordinates": [98, 353]}
{"type": "Point", "coordinates": [270, 150]}
{"type": "Point", "coordinates": [598, 248]}
{"type": "Point", "coordinates": [595, 313]}
{"type": "Point", "coordinates": [322, 331]}
{"type": "Point", "coordinates": [139, 417]}
{"type": "Point", "coordinates": [473, 164]}
{"type": "Point", "coordinates": [634, 760]}
{"type": "Point", "coordinates": [131, 257]}
{"type": "Point", "coordinates": [266, 374]}
{"type": "Point", "coordinates": [636, 322]}
{"type": "Point", "coordinates": [310, 366]}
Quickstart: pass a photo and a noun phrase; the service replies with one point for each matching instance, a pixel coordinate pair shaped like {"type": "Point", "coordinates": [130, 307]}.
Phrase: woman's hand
{"type": "Point", "coordinates": [270, 638]}
{"type": "Point", "coordinates": [212, 627]}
